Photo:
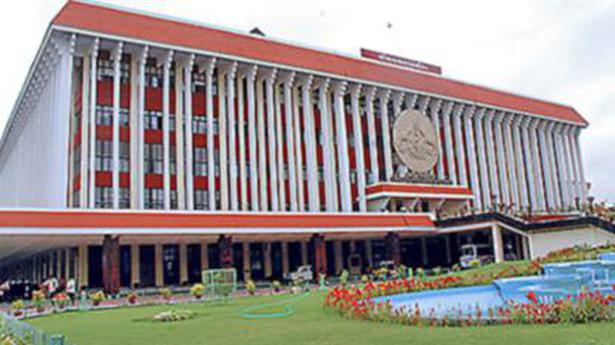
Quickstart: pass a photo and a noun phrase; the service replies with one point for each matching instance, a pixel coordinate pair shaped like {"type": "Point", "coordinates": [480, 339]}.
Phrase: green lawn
{"type": "Point", "coordinates": [310, 324]}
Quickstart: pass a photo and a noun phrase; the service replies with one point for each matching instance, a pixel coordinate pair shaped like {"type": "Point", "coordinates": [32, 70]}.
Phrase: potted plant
{"type": "Point", "coordinates": [276, 285]}
{"type": "Point", "coordinates": [251, 287]}
{"type": "Point", "coordinates": [17, 307]}
{"type": "Point", "coordinates": [97, 298]}
{"type": "Point", "coordinates": [166, 294]}
{"type": "Point", "coordinates": [197, 290]}
{"type": "Point", "coordinates": [132, 297]}
{"type": "Point", "coordinates": [60, 300]}
{"type": "Point", "coordinates": [38, 297]}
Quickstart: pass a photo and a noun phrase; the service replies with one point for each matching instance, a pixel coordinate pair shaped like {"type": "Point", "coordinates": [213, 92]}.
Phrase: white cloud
{"type": "Point", "coordinates": [558, 50]}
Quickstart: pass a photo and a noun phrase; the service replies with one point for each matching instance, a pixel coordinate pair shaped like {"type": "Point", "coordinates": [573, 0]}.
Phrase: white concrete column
{"type": "Point", "coordinates": [468, 115]}
{"type": "Point", "coordinates": [510, 159]}
{"type": "Point", "coordinates": [482, 160]}
{"type": "Point", "coordinates": [448, 140]}
{"type": "Point", "coordinates": [338, 255]}
{"type": "Point", "coordinates": [85, 130]}
{"type": "Point", "coordinates": [180, 61]}
{"type": "Point", "coordinates": [189, 142]}
{"type": "Point", "coordinates": [223, 69]}
{"type": "Point", "coordinates": [140, 197]}
{"type": "Point", "coordinates": [135, 265]}
{"type": "Point", "coordinates": [247, 263]}
{"type": "Point", "coordinates": [204, 256]}
{"type": "Point", "coordinates": [498, 245]}
{"type": "Point", "coordinates": [557, 200]}
{"type": "Point", "coordinates": [115, 173]}
{"type": "Point", "coordinates": [546, 166]}
{"type": "Point", "coordinates": [241, 136]}
{"type": "Point", "coordinates": [537, 167]}
{"type": "Point", "coordinates": [310, 145]}
{"type": "Point", "coordinates": [518, 133]}
{"type": "Point", "coordinates": [371, 134]}
{"type": "Point", "coordinates": [271, 140]}
{"type": "Point", "coordinates": [339, 90]}
{"type": "Point", "coordinates": [576, 150]}
{"type": "Point", "coordinates": [304, 253]}
{"type": "Point", "coordinates": [232, 136]}
{"type": "Point", "coordinates": [491, 161]}
{"type": "Point", "coordinates": [158, 269]}
{"type": "Point", "coordinates": [568, 166]}
{"type": "Point", "coordinates": [459, 145]}
{"type": "Point", "coordinates": [262, 145]}
{"type": "Point", "coordinates": [293, 182]}
{"type": "Point", "coordinates": [279, 139]}
{"type": "Point", "coordinates": [93, 80]}
{"type": "Point", "coordinates": [254, 191]}
{"type": "Point", "coordinates": [435, 118]}
{"type": "Point", "coordinates": [285, 263]}
{"type": "Point", "coordinates": [529, 164]}
{"type": "Point", "coordinates": [501, 156]}
{"type": "Point", "coordinates": [209, 110]}
{"type": "Point", "coordinates": [386, 133]}
{"type": "Point", "coordinates": [166, 142]}
{"type": "Point", "coordinates": [183, 263]}
{"type": "Point", "coordinates": [299, 143]}
{"type": "Point", "coordinates": [327, 146]}
{"type": "Point", "coordinates": [355, 90]}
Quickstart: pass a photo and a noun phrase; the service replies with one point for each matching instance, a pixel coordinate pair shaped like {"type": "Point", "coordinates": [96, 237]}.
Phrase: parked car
{"type": "Point", "coordinates": [475, 255]}
{"type": "Point", "coordinates": [304, 273]}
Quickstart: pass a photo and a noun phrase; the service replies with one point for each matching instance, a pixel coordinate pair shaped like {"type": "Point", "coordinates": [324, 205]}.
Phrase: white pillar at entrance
{"type": "Point", "coordinates": [435, 117]}
{"type": "Point", "coordinates": [579, 159]}
{"type": "Point", "coordinates": [310, 145]}
{"type": "Point", "coordinates": [557, 200]}
{"type": "Point", "coordinates": [482, 160]}
{"type": "Point", "coordinates": [189, 189]}
{"type": "Point", "coordinates": [271, 140]}
{"type": "Point", "coordinates": [290, 143]}
{"type": "Point", "coordinates": [183, 263]}
{"type": "Point", "coordinates": [510, 159]}
{"type": "Point", "coordinates": [247, 269]}
{"type": "Point", "coordinates": [158, 269]}
{"type": "Point", "coordinates": [280, 162]}
{"type": "Point", "coordinates": [327, 146]}
{"type": "Point", "coordinates": [241, 136]}
{"type": "Point", "coordinates": [448, 136]}
{"type": "Point", "coordinates": [386, 130]}
{"type": "Point", "coordinates": [209, 110]}
{"type": "Point", "coordinates": [519, 161]}
{"type": "Point", "coordinates": [491, 161]}
{"type": "Point", "coordinates": [299, 144]}
{"type": "Point", "coordinates": [501, 155]}
{"type": "Point", "coordinates": [250, 79]}
{"type": "Point", "coordinates": [166, 143]}
{"type": "Point", "coordinates": [339, 90]}
{"type": "Point", "coordinates": [339, 260]}
{"type": "Point", "coordinates": [529, 164]}
{"type": "Point", "coordinates": [92, 120]}
{"type": "Point", "coordinates": [304, 253]}
{"type": "Point", "coordinates": [135, 262]}
{"type": "Point", "coordinates": [232, 136]}
{"type": "Point", "coordinates": [223, 69]}
{"type": "Point", "coordinates": [355, 91]}
{"type": "Point", "coordinates": [371, 134]}
{"type": "Point", "coordinates": [461, 155]}
{"type": "Point", "coordinates": [568, 165]}
{"type": "Point", "coordinates": [262, 148]}
{"type": "Point", "coordinates": [545, 165]}
{"type": "Point", "coordinates": [538, 180]}
{"type": "Point", "coordinates": [117, 78]}
{"type": "Point", "coordinates": [498, 245]}
{"type": "Point", "coordinates": [285, 263]}
{"type": "Point", "coordinates": [141, 131]}
{"type": "Point", "coordinates": [468, 114]}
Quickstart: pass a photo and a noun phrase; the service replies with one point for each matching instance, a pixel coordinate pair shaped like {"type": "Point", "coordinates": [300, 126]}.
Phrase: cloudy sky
{"type": "Point", "coordinates": [557, 50]}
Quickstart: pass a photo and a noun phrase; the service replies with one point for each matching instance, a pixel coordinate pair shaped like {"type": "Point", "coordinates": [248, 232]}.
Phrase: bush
{"type": "Point", "coordinates": [276, 285]}
{"type": "Point", "coordinates": [197, 290]}
{"type": "Point", "coordinates": [132, 297]}
{"type": "Point", "coordinates": [17, 307]}
{"type": "Point", "coordinates": [174, 315]}
{"type": "Point", "coordinates": [38, 297]}
{"type": "Point", "coordinates": [97, 298]}
{"type": "Point", "coordinates": [166, 293]}
{"type": "Point", "coordinates": [61, 300]}
{"type": "Point", "coordinates": [251, 287]}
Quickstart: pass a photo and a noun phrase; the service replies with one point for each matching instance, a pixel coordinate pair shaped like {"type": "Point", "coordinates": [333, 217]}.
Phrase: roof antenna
{"type": "Point", "coordinates": [257, 31]}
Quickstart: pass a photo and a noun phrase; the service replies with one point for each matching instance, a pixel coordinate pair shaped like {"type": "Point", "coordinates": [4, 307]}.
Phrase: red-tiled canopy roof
{"type": "Point", "coordinates": [112, 21]}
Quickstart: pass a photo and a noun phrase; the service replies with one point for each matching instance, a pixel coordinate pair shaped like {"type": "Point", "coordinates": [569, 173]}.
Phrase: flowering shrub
{"type": "Point", "coordinates": [60, 300]}
{"type": "Point", "coordinates": [197, 290]}
{"type": "Point", "coordinates": [166, 293]}
{"type": "Point", "coordinates": [132, 297]}
{"type": "Point", "coordinates": [357, 303]}
{"type": "Point", "coordinates": [174, 315]}
{"type": "Point", "coordinates": [38, 297]}
{"type": "Point", "coordinates": [97, 298]}
{"type": "Point", "coordinates": [17, 307]}
{"type": "Point", "coordinates": [250, 287]}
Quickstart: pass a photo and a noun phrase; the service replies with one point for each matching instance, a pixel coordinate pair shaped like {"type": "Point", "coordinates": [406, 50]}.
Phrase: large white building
{"type": "Point", "coordinates": [265, 155]}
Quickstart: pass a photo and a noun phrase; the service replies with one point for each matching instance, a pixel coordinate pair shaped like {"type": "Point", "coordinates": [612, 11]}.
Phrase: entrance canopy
{"type": "Point", "coordinates": [408, 196]}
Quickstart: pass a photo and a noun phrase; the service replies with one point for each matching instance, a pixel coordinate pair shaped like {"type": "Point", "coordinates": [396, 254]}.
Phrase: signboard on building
{"type": "Point", "coordinates": [401, 61]}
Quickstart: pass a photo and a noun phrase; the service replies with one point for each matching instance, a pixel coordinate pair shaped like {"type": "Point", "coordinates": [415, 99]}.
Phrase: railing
{"type": "Point", "coordinates": [22, 333]}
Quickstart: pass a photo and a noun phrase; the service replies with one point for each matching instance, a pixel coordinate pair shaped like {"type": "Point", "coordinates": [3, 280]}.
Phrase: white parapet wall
{"type": "Point", "coordinates": [543, 243]}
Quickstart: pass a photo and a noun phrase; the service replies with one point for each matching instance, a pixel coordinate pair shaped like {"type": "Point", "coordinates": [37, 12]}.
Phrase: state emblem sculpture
{"type": "Point", "coordinates": [415, 141]}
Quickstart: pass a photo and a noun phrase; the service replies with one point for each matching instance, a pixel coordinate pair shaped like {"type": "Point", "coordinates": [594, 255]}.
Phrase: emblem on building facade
{"type": "Point", "coordinates": [414, 139]}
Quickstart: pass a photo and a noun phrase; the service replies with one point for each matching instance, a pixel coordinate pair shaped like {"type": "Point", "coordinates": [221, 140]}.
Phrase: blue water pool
{"type": "Point", "coordinates": [558, 282]}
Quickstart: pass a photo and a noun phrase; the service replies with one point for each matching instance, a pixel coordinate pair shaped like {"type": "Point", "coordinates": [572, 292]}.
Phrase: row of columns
{"type": "Point", "coordinates": [480, 146]}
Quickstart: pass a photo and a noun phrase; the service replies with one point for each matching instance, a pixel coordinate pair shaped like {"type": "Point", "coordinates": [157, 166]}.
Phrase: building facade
{"type": "Point", "coordinates": [132, 111]}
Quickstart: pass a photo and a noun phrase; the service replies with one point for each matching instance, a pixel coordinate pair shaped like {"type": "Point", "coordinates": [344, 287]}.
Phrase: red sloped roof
{"type": "Point", "coordinates": [112, 21]}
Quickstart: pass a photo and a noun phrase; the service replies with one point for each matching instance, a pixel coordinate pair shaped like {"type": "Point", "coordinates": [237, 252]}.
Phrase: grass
{"type": "Point", "coordinates": [309, 325]}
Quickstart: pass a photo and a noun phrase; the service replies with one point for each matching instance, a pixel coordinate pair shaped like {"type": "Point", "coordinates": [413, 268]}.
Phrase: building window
{"type": "Point", "coordinates": [173, 199]}
{"type": "Point", "coordinates": [201, 199]}
{"type": "Point", "coordinates": [124, 198]}
{"type": "Point", "coordinates": [199, 124]}
{"type": "Point", "coordinates": [200, 161]}
{"type": "Point", "coordinates": [153, 120]}
{"type": "Point", "coordinates": [104, 69]}
{"type": "Point", "coordinates": [154, 198]}
{"type": "Point", "coordinates": [153, 76]}
{"type": "Point", "coordinates": [104, 155]}
{"type": "Point", "coordinates": [103, 197]}
{"type": "Point", "coordinates": [173, 160]}
{"type": "Point", "coordinates": [104, 115]}
{"type": "Point", "coordinates": [153, 159]}
{"type": "Point", "coordinates": [124, 156]}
